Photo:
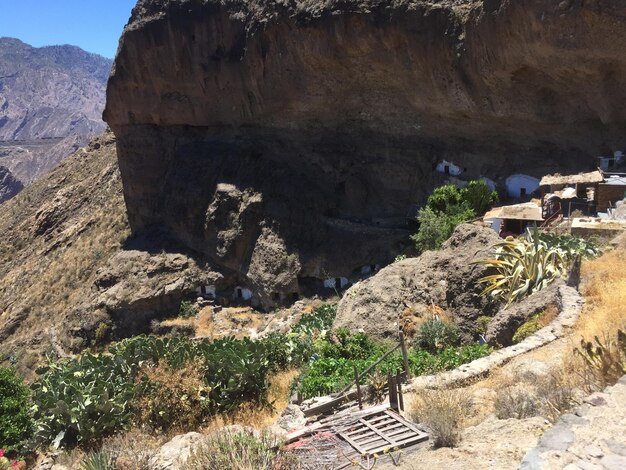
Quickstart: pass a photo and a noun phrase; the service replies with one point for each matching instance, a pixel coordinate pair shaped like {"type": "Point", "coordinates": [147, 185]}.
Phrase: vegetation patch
{"type": "Point", "coordinates": [446, 208]}
{"type": "Point", "coordinates": [15, 416]}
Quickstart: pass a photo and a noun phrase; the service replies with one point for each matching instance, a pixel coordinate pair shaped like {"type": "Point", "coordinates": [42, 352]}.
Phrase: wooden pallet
{"type": "Point", "coordinates": [382, 430]}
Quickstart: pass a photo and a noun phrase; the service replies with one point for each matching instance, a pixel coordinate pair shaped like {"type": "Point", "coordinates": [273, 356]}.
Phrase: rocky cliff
{"type": "Point", "coordinates": [51, 101]}
{"type": "Point", "coordinates": [9, 186]}
{"type": "Point", "coordinates": [293, 137]}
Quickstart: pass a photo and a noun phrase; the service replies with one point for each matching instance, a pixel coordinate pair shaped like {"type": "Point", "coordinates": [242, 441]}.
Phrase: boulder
{"type": "Point", "coordinates": [506, 322]}
{"type": "Point", "coordinates": [173, 454]}
{"type": "Point", "coordinates": [445, 278]}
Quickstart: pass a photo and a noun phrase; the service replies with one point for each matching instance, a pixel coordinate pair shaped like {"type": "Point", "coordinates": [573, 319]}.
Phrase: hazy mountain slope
{"type": "Point", "coordinates": [9, 186]}
{"type": "Point", "coordinates": [56, 234]}
{"type": "Point", "coordinates": [51, 101]}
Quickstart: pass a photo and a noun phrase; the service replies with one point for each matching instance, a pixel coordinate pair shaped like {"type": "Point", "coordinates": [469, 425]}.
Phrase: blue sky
{"type": "Point", "coordinates": [93, 25]}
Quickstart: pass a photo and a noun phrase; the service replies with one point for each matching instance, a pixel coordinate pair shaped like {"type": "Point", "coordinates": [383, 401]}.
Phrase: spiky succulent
{"type": "Point", "coordinates": [523, 266]}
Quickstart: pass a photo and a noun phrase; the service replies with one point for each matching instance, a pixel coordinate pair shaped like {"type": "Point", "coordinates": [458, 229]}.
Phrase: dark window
{"type": "Point", "coordinates": [373, 268]}
{"type": "Point", "coordinates": [203, 290]}
{"type": "Point", "coordinates": [446, 169]}
{"type": "Point", "coordinates": [337, 283]}
{"type": "Point", "coordinates": [522, 192]}
{"type": "Point", "coordinates": [295, 296]}
{"type": "Point", "coordinates": [239, 293]}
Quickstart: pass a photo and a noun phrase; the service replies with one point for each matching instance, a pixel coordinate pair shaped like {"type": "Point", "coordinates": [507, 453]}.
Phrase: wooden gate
{"type": "Point", "coordinates": [383, 430]}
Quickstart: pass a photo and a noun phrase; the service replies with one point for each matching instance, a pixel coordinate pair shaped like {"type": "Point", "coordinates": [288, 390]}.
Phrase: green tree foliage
{"type": "Point", "coordinates": [446, 208]}
{"type": "Point", "coordinates": [15, 417]}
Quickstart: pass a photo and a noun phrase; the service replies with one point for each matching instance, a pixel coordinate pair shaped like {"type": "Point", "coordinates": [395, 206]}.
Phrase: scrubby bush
{"type": "Point", "coordinates": [435, 334]}
{"type": "Point", "coordinates": [518, 403]}
{"type": "Point", "coordinates": [172, 399]}
{"type": "Point", "coordinates": [604, 360]}
{"type": "Point", "coordinates": [98, 460]}
{"type": "Point", "coordinates": [187, 309]}
{"type": "Point", "coordinates": [15, 417]}
{"type": "Point", "coordinates": [240, 450]}
{"type": "Point", "coordinates": [444, 412]}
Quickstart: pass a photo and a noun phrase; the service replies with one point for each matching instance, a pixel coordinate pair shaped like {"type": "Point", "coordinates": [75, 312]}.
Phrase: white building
{"type": "Point", "coordinates": [369, 269]}
{"type": "Point", "coordinates": [206, 291]}
{"type": "Point", "coordinates": [242, 293]}
{"type": "Point", "coordinates": [448, 168]}
{"type": "Point", "coordinates": [520, 186]}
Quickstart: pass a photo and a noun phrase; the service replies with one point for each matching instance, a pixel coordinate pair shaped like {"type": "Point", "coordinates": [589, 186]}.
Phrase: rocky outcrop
{"type": "Point", "coordinates": [136, 287]}
{"type": "Point", "coordinates": [51, 101]}
{"type": "Point", "coordinates": [444, 278]}
{"type": "Point", "coordinates": [325, 120]}
{"type": "Point", "coordinates": [506, 322]}
{"type": "Point", "coordinates": [9, 186]}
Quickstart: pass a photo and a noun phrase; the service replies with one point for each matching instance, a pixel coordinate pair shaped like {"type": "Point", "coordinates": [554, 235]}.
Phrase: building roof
{"type": "Point", "coordinates": [591, 177]}
{"type": "Point", "coordinates": [617, 180]}
{"type": "Point", "coordinates": [525, 211]}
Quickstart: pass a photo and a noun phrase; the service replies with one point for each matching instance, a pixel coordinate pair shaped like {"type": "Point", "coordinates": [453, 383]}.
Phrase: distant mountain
{"type": "Point", "coordinates": [51, 102]}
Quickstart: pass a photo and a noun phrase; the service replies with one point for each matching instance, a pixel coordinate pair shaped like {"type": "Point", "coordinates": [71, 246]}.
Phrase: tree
{"type": "Point", "coordinates": [478, 195]}
{"type": "Point", "coordinates": [447, 207]}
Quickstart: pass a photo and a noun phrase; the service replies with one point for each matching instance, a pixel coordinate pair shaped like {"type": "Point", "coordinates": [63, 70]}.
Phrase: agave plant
{"type": "Point", "coordinates": [523, 266]}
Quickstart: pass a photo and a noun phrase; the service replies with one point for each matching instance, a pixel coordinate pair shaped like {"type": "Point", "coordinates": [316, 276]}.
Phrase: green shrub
{"type": "Point", "coordinates": [571, 246]}
{"type": "Point", "coordinates": [436, 227]}
{"type": "Point", "coordinates": [187, 309]}
{"type": "Point", "coordinates": [15, 417]}
{"type": "Point", "coordinates": [435, 334]}
{"type": "Point", "coordinates": [528, 328]}
{"type": "Point", "coordinates": [446, 208]}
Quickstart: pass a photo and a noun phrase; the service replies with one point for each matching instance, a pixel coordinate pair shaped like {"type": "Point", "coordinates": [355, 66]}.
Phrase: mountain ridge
{"type": "Point", "coordinates": [51, 102]}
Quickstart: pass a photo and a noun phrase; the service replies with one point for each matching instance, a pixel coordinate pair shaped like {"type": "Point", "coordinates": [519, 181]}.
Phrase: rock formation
{"type": "Point", "coordinates": [51, 101]}
{"type": "Point", "coordinates": [315, 126]}
{"type": "Point", "coordinates": [446, 279]}
{"type": "Point", "coordinates": [9, 186]}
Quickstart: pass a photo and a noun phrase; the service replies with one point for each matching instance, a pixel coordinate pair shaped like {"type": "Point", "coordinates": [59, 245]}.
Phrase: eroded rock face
{"type": "Point", "coordinates": [9, 186]}
{"type": "Point", "coordinates": [322, 121]}
{"type": "Point", "coordinates": [444, 278]}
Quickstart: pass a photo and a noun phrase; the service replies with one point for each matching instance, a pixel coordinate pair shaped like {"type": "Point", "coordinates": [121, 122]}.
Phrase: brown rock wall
{"type": "Point", "coordinates": [334, 114]}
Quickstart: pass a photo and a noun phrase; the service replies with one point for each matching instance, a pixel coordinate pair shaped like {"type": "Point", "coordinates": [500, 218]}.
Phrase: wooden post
{"type": "Point", "coordinates": [400, 398]}
{"type": "Point", "coordinates": [358, 388]}
{"type": "Point", "coordinates": [393, 393]}
{"type": "Point", "coordinates": [405, 358]}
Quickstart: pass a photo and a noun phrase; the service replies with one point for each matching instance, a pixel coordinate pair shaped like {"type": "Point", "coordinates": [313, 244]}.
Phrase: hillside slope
{"type": "Point", "coordinates": [51, 101]}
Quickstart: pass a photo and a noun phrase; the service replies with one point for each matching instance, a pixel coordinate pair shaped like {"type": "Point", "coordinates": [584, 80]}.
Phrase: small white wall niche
{"type": "Point", "coordinates": [206, 291]}
{"type": "Point", "coordinates": [336, 282]}
{"type": "Point", "coordinates": [448, 168]}
{"type": "Point", "coordinates": [242, 293]}
{"type": "Point", "coordinates": [520, 185]}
